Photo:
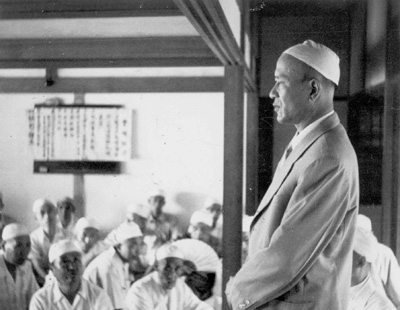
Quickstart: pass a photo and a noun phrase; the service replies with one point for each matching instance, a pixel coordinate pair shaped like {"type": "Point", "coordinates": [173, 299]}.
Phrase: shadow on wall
{"type": "Point", "coordinates": [187, 203]}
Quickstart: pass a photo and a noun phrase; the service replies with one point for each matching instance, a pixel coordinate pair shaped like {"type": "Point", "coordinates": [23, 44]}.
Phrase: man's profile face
{"type": "Point", "coordinates": [130, 248]}
{"type": "Point", "coordinates": [169, 270]}
{"type": "Point", "coordinates": [67, 269]}
{"type": "Point", "coordinates": [290, 92]}
{"type": "Point", "coordinates": [16, 250]}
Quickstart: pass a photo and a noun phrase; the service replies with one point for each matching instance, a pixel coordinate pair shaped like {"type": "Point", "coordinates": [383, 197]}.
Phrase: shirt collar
{"type": "Point", "coordinates": [300, 135]}
{"type": "Point", "coordinates": [58, 295]}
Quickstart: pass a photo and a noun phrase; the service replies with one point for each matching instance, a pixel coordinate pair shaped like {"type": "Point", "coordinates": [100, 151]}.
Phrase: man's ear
{"type": "Point", "coordinates": [315, 89]}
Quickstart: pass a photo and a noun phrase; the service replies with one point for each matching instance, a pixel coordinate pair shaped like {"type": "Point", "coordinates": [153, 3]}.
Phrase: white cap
{"type": "Point", "coordinates": [127, 231]}
{"type": "Point", "coordinates": [318, 57]}
{"type": "Point", "coordinates": [204, 217]}
{"type": "Point", "coordinates": [139, 209]}
{"type": "Point", "coordinates": [364, 222]}
{"type": "Point", "coordinates": [168, 250]}
{"type": "Point", "coordinates": [62, 247]}
{"type": "Point", "coordinates": [83, 223]}
{"type": "Point", "coordinates": [14, 230]}
{"type": "Point", "coordinates": [365, 244]}
{"type": "Point", "coordinates": [39, 203]}
{"type": "Point", "coordinates": [156, 192]}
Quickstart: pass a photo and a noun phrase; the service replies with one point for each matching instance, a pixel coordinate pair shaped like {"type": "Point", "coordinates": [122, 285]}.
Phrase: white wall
{"type": "Point", "coordinates": [178, 148]}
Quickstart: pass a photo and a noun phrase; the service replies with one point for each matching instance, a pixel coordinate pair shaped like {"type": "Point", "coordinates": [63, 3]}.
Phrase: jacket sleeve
{"type": "Point", "coordinates": [323, 194]}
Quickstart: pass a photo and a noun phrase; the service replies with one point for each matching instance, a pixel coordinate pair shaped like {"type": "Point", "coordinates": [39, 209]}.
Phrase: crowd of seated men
{"type": "Point", "coordinates": [68, 263]}
{"type": "Point", "coordinates": [147, 262]}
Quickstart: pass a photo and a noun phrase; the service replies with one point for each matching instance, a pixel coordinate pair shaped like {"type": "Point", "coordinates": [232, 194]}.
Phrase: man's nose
{"type": "Point", "coordinates": [272, 92]}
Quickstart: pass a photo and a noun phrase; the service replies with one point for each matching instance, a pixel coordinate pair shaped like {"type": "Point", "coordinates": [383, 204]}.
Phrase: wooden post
{"type": "Point", "coordinates": [251, 169]}
{"type": "Point", "coordinates": [233, 174]}
{"type": "Point", "coordinates": [79, 179]}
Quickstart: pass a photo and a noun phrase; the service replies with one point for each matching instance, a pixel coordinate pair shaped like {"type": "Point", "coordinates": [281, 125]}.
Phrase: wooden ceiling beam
{"type": "Point", "coordinates": [31, 9]}
{"type": "Point", "coordinates": [209, 19]}
{"type": "Point", "coordinates": [112, 85]}
{"type": "Point", "coordinates": [107, 52]}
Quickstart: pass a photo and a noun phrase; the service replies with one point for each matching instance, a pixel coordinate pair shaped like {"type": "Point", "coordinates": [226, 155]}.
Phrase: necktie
{"type": "Point", "coordinates": [288, 150]}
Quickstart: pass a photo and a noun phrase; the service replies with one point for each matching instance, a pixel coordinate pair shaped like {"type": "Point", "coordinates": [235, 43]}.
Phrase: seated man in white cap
{"type": "Point", "coordinates": [66, 213]}
{"type": "Point", "coordinates": [41, 238]}
{"type": "Point", "coordinates": [68, 290]}
{"type": "Point", "coordinates": [88, 240]}
{"type": "Point", "coordinates": [110, 270]}
{"type": "Point", "coordinates": [161, 227]}
{"type": "Point", "coordinates": [364, 294]}
{"type": "Point", "coordinates": [300, 246]}
{"type": "Point", "coordinates": [385, 268]}
{"type": "Point", "coordinates": [200, 228]}
{"type": "Point", "coordinates": [164, 289]}
{"type": "Point", "coordinates": [18, 283]}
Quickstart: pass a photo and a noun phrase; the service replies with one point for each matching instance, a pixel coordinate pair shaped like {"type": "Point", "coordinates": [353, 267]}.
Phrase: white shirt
{"type": "Point", "coordinates": [110, 273]}
{"type": "Point", "coordinates": [89, 297]}
{"type": "Point", "coordinates": [40, 244]}
{"type": "Point", "coordinates": [148, 294]}
{"type": "Point", "coordinates": [365, 296]}
{"type": "Point", "coordinates": [386, 274]}
{"type": "Point", "coordinates": [16, 294]}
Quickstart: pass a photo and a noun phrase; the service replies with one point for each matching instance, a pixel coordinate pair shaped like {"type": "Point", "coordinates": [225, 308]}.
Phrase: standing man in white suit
{"type": "Point", "coordinates": [300, 247]}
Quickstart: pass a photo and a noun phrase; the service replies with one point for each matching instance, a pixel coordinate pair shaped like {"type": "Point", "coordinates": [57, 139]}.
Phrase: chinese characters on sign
{"type": "Point", "coordinates": [89, 133]}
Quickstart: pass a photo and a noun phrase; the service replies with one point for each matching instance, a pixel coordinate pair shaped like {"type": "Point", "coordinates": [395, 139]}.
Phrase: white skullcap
{"type": "Point", "coordinates": [168, 250]}
{"type": "Point", "coordinates": [14, 230]}
{"type": "Point", "coordinates": [204, 217]}
{"type": "Point", "coordinates": [39, 203]}
{"type": "Point", "coordinates": [62, 247]}
{"type": "Point", "coordinates": [139, 209]}
{"type": "Point", "coordinates": [83, 223]}
{"type": "Point", "coordinates": [365, 244]}
{"type": "Point", "coordinates": [156, 192]}
{"type": "Point", "coordinates": [364, 222]}
{"type": "Point", "coordinates": [127, 231]}
{"type": "Point", "coordinates": [318, 57]}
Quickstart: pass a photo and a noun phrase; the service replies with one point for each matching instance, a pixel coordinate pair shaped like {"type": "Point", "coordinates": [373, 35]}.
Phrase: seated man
{"type": "Point", "coordinates": [66, 213]}
{"type": "Point", "coordinates": [386, 270]}
{"type": "Point", "coordinates": [161, 227]}
{"type": "Point", "coordinates": [163, 289]}
{"type": "Point", "coordinates": [364, 294]}
{"type": "Point", "coordinates": [110, 270]}
{"type": "Point", "coordinates": [68, 290]}
{"type": "Point", "coordinates": [18, 283]}
{"type": "Point", "coordinates": [41, 238]}
{"type": "Point", "coordinates": [200, 228]}
{"type": "Point", "coordinates": [88, 240]}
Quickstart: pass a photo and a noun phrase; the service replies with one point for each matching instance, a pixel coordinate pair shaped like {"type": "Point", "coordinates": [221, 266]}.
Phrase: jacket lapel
{"type": "Point", "coordinates": [282, 173]}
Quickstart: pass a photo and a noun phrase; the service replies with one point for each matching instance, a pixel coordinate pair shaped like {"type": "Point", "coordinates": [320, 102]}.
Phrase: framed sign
{"type": "Point", "coordinates": [80, 133]}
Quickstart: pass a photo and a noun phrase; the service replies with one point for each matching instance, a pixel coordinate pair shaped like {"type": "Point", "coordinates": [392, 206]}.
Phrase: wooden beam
{"type": "Point", "coordinates": [104, 49]}
{"type": "Point", "coordinates": [208, 18]}
{"type": "Point", "coordinates": [233, 174]}
{"type": "Point", "coordinates": [31, 9]}
{"type": "Point", "coordinates": [113, 85]}
{"type": "Point", "coordinates": [110, 63]}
